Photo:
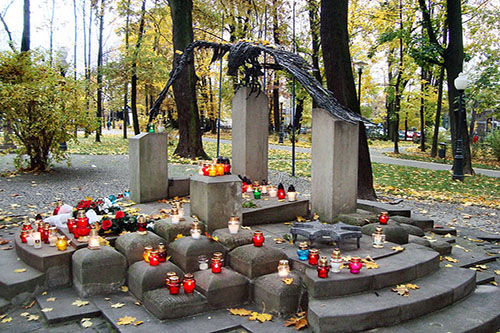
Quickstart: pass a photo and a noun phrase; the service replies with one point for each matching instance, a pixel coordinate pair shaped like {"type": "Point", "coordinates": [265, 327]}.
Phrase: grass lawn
{"type": "Point", "coordinates": [407, 182]}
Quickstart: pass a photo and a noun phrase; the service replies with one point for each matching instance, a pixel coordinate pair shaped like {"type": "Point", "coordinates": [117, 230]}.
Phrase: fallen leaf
{"type": "Point", "coordinates": [20, 270]}
{"type": "Point", "coordinates": [127, 320]}
{"type": "Point", "coordinates": [371, 265]}
{"type": "Point", "coordinates": [279, 240]}
{"type": "Point", "coordinates": [117, 305]}
{"type": "Point", "coordinates": [450, 259]}
{"type": "Point", "coordinates": [397, 248]}
{"type": "Point", "coordinates": [315, 216]}
{"type": "Point", "coordinates": [447, 236]}
{"type": "Point", "coordinates": [47, 309]}
{"type": "Point", "coordinates": [497, 272]}
{"type": "Point", "coordinates": [139, 322]}
{"type": "Point", "coordinates": [51, 299]}
{"type": "Point", "coordinates": [30, 305]}
{"type": "Point", "coordinates": [300, 219]}
{"type": "Point", "coordinates": [6, 248]}
{"type": "Point", "coordinates": [461, 247]}
{"type": "Point", "coordinates": [124, 289]}
{"type": "Point", "coordinates": [481, 267]}
{"type": "Point", "coordinates": [80, 303]}
{"type": "Point", "coordinates": [412, 286]}
{"type": "Point", "coordinates": [7, 320]}
{"type": "Point", "coordinates": [298, 322]}
{"type": "Point", "coordinates": [428, 237]}
{"type": "Point", "coordinates": [32, 317]}
{"type": "Point", "coordinates": [402, 290]}
{"type": "Point", "coordinates": [262, 317]}
{"type": "Point", "coordinates": [107, 299]}
{"type": "Point", "coordinates": [138, 303]}
{"type": "Point", "coordinates": [86, 323]}
{"type": "Point", "coordinates": [245, 228]}
{"type": "Point", "coordinates": [3, 316]}
{"type": "Point", "coordinates": [287, 281]}
{"type": "Point", "coordinates": [494, 283]}
{"type": "Point", "coordinates": [25, 314]}
{"type": "Point", "coordinates": [44, 293]}
{"type": "Point", "coordinates": [240, 312]}
{"type": "Point", "coordinates": [448, 265]}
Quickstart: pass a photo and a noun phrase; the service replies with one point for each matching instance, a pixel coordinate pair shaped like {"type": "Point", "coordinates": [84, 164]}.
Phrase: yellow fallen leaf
{"type": "Point", "coordinates": [51, 299]}
{"type": "Point", "coordinates": [448, 265]}
{"type": "Point", "coordinates": [240, 312]}
{"type": "Point", "coordinates": [127, 320]}
{"type": "Point", "coordinates": [179, 52]}
{"type": "Point", "coordinates": [481, 267]}
{"type": "Point", "coordinates": [86, 323]}
{"type": "Point", "coordinates": [179, 236]}
{"type": "Point", "coordinates": [497, 272]}
{"type": "Point", "coordinates": [44, 293]}
{"type": "Point", "coordinates": [315, 216]}
{"type": "Point", "coordinates": [117, 305]}
{"type": "Point", "coordinates": [262, 317]}
{"type": "Point", "coordinates": [32, 317]}
{"type": "Point", "coordinates": [20, 270]}
{"type": "Point", "coordinates": [124, 289]}
{"type": "Point", "coordinates": [450, 259]}
{"type": "Point", "coordinates": [107, 299]}
{"type": "Point", "coordinates": [3, 316]}
{"type": "Point", "coordinates": [25, 314]}
{"type": "Point", "coordinates": [402, 290]}
{"type": "Point", "coordinates": [397, 248]}
{"type": "Point", "coordinates": [461, 247]}
{"type": "Point", "coordinates": [138, 303]}
{"type": "Point", "coordinates": [139, 322]}
{"type": "Point", "coordinates": [412, 286]}
{"type": "Point", "coordinates": [371, 265]}
{"type": "Point", "coordinates": [47, 309]}
{"type": "Point", "coordinates": [300, 219]}
{"type": "Point", "coordinates": [287, 281]}
{"type": "Point", "coordinates": [447, 236]}
{"type": "Point", "coordinates": [7, 320]}
{"type": "Point", "coordinates": [80, 303]}
{"type": "Point", "coordinates": [494, 283]}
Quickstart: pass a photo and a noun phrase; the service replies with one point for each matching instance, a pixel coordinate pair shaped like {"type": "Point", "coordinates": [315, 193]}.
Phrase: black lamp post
{"type": "Point", "coordinates": [461, 83]}
{"type": "Point", "coordinates": [360, 65]}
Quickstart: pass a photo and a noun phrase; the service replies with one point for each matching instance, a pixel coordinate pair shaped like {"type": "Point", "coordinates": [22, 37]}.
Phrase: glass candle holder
{"type": "Point", "coordinates": [141, 223]}
{"type": "Point", "coordinates": [219, 256]}
{"type": "Point", "coordinates": [202, 262]}
{"type": "Point", "coordinates": [37, 240]}
{"type": "Point", "coordinates": [58, 207]}
{"type": "Point", "coordinates": [94, 243]}
{"type": "Point", "coordinates": [29, 237]}
{"type": "Point", "coordinates": [292, 196]}
{"type": "Point", "coordinates": [27, 226]}
{"type": "Point", "coordinates": [39, 226]}
{"type": "Point", "coordinates": [323, 268]}
{"type": "Point", "coordinates": [174, 216]}
{"type": "Point", "coordinates": [204, 169]}
{"type": "Point", "coordinates": [378, 238]}
{"type": "Point", "coordinates": [313, 256]}
{"type": "Point", "coordinates": [303, 251]}
{"type": "Point", "coordinates": [174, 285]}
{"type": "Point", "coordinates": [147, 251]}
{"type": "Point", "coordinates": [227, 166]}
{"type": "Point", "coordinates": [336, 261]}
{"type": "Point", "coordinates": [220, 169]}
{"type": "Point", "coordinates": [281, 192]}
{"type": "Point", "coordinates": [188, 283]}
{"type": "Point", "coordinates": [154, 259]}
{"type": "Point", "coordinates": [71, 224]}
{"type": "Point", "coordinates": [216, 265]}
{"type": "Point", "coordinates": [62, 243]}
{"type": "Point", "coordinates": [249, 188]}
{"type": "Point", "coordinates": [355, 265]}
{"type": "Point", "coordinates": [24, 236]}
{"type": "Point", "coordinates": [180, 209]}
{"type": "Point", "coordinates": [233, 224]}
{"type": "Point", "coordinates": [256, 192]}
{"type": "Point", "coordinates": [195, 231]}
{"type": "Point", "coordinates": [283, 268]}
{"type": "Point", "coordinates": [82, 227]}
{"type": "Point", "coordinates": [273, 193]}
{"type": "Point", "coordinates": [258, 238]}
{"type": "Point", "coordinates": [162, 252]}
{"type": "Point", "coordinates": [264, 187]}
{"type": "Point", "coordinates": [45, 233]}
{"type": "Point", "coordinates": [212, 170]}
{"type": "Point", "coordinates": [383, 218]}
{"type": "Point", "coordinates": [52, 236]}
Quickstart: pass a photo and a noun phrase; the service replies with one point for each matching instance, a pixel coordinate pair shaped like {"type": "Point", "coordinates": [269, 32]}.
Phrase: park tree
{"type": "Point", "coordinates": [340, 80]}
{"type": "Point", "coordinates": [41, 106]}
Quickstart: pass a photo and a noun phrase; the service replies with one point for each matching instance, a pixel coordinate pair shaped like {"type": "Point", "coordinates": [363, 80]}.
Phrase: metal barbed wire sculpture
{"type": "Point", "coordinates": [245, 54]}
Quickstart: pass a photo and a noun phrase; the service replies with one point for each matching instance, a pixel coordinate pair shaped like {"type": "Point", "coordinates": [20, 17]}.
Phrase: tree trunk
{"type": "Point", "coordinates": [340, 80]}
{"type": "Point", "coordinates": [133, 82]}
{"type": "Point", "coordinates": [99, 74]}
{"type": "Point", "coordinates": [438, 114]}
{"type": "Point", "coordinates": [190, 144]}
{"type": "Point", "coordinates": [314, 25]}
{"type": "Point", "coordinates": [424, 79]}
{"type": "Point", "coordinates": [299, 110]}
{"type": "Point", "coordinates": [25, 42]}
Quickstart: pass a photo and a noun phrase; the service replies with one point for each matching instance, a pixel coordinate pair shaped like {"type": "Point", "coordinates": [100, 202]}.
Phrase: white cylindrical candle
{"type": "Point", "coordinates": [292, 196]}
{"type": "Point", "coordinates": [264, 189]}
{"type": "Point", "coordinates": [273, 192]}
{"type": "Point", "coordinates": [233, 229]}
{"type": "Point", "coordinates": [175, 219]}
{"type": "Point", "coordinates": [335, 264]}
{"type": "Point", "coordinates": [181, 212]}
{"type": "Point", "coordinates": [30, 239]}
{"type": "Point", "coordinates": [37, 240]}
{"type": "Point", "coordinates": [195, 233]}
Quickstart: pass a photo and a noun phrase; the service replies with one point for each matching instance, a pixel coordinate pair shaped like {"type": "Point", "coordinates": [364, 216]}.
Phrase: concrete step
{"type": "Point", "coordinates": [4, 305]}
{"type": "Point", "coordinates": [471, 258]}
{"type": "Point", "coordinates": [272, 210]}
{"type": "Point", "coordinates": [377, 207]}
{"type": "Point", "coordinates": [476, 313]}
{"type": "Point", "coordinates": [484, 277]}
{"type": "Point", "coordinates": [13, 284]}
{"type": "Point", "coordinates": [415, 262]}
{"type": "Point", "coordinates": [166, 306]}
{"type": "Point", "coordinates": [385, 307]}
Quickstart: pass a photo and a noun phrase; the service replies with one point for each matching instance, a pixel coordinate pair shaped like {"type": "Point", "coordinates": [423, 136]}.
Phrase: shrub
{"type": "Point", "coordinates": [493, 141]}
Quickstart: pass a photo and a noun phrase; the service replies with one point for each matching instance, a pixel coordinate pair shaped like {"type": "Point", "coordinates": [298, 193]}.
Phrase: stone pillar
{"type": "Point", "coordinates": [148, 161]}
{"type": "Point", "coordinates": [334, 166]}
{"type": "Point", "coordinates": [250, 134]}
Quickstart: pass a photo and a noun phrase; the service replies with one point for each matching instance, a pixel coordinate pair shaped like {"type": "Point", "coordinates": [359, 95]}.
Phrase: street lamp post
{"type": "Point", "coordinates": [461, 83]}
{"type": "Point", "coordinates": [360, 65]}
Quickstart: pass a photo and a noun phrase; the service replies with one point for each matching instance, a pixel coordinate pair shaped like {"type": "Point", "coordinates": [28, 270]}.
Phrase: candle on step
{"type": "Point", "coordinates": [283, 268]}
{"type": "Point", "coordinates": [233, 224]}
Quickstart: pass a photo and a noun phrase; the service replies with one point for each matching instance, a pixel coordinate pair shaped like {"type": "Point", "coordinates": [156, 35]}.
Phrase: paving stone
{"type": "Point", "coordinates": [418, 240]}
{"type": "Point", "coordinates": [253, 261]}
{"type": "Point", "coordinates": [132, 244]}
{"type": "Point", "coordinates": [273, 211]}
{"type": "Point", "coordinates": [88, 266]}
{"type": "Point", "coordinates": [411, 229]}
{"type": "Point", "coordinates": [423, 222]}
{"type": "Point", "coordinates": [184, 252]}
{"type": "Point", "coordinates": [442, 247]}
{"type": "Point", "coordinates": [488, 237]}
{"type": "Point", "coordinates": [143, 277]}
{"type": "Point", "coordinates": [444, 231]}
{"type": "Point", "coordinates": [377, 207]}
{"type": "Point", "coordinates": [477, 313]}
{"type": "Point", "coordinates": [225, 289]}
{"type": "Point", "coordinates": [393, 233]}
{"type": "Point", "coordinates": [168, 231]}
{"type": "Point", "coordinates": [484, 277]}
{"type": "Point", "coordinates": [165, 306]}
{"type": "Point", "coordinates": [357, 219]}
{"type": "Point", "coordinates": [232, 241]}
{"type": "Point", "coordinates": [55, 264]}
{"type": "Point", "coordinates": [278, 297]}
{"type": "Point", "coordinates": [471, 258]}
{"type": "Point", "coordinates": [208, 322]}
{"type": "Point", "coordinates": [62, 308]}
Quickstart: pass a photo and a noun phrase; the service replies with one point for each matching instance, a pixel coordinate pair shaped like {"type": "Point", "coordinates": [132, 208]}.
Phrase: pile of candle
{"type": "Point", "coordinates": [155, 256]}
{"type": "Point", "coordinates": [219, 167]}
{"type": "Point", "coordinates": [323, 266]}
{"type": "Point", "coordinates": [173, 283]}
{"type": "Point", "coordinates": [42, 233]}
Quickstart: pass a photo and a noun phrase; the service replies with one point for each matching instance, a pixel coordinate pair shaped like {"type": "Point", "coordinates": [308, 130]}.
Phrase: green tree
{"type": "Point", "coordinates": [41, 106]}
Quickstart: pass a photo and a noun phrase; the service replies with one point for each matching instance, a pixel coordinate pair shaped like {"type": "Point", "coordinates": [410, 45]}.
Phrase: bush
{"type": "Point", "coordinates": [493, 142]}
{"type": "Point", "coordinates": [42, 107]}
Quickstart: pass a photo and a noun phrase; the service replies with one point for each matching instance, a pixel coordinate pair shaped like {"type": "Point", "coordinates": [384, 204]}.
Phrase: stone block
{"type": "Point", "coordinates": [215, 199]}
{"type": "Point", "coordinates": [250, 117]}
{"type": "Point", "coordinates": [357, 219]}
{"type": "Point", "coordinates": [423, 222]}
{"type": "Point", "coordinates": [334, 170]}
{"type": "Point", "coordinates": [393, 233]}
{"type": "Point", "coordinates": [442, 247]}
{"type": "Point", "coordinates": [148, 161]}
{"type": "Point", "coordinates": [225, 289]}
{"type": "Point", "coordinates": [274, 211]}
{"type": "Point", "coordinates": [143, 277]}
{"type": "Point", "coordinates": [168, 231]}
{"type": "Point", "coordinates": [132, 245]}
{"type": "Point", "coordinates": [184, 252]}
{"type": "Point", "coordinates": [165, 306]}
{"type": "Point", "coordinates": [254, 261]}
{"type": "Point", "coordinates": [232, 241]}
{"type": "Point", "coordinates": [279, 298]}
{"type": "Point", "coordinates": [178, 187]}
{"type": "Point", "coordinates": [410, 229]}
{"type": "Point", "coordinates": [99, 271]}
{"type": "Point", "coordinates": [377, 207]}
{"type": "Point", "coordinates": [444, 231]}
{"type": "Point", "coordinates": [418, 240]}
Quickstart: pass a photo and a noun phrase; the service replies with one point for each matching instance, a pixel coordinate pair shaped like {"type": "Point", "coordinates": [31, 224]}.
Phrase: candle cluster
{"type": "Point", "coordinates": [42, 233]}
{"type": "Point", "coordinates": [174, 283]}
{"type": "Point", "coordinates": [155, 256]}
{"type": "Point", "coordinates": [323, 265]}
{"type": "Point", "coordinates": [265, 189]}
{"type": "Point", "coordinates": [219, 167]}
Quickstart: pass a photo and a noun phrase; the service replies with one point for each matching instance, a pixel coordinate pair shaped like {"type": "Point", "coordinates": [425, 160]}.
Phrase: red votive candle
{"type": "Point", "coordinates": [258, 238]}
{"type": "Point", "coordinates": [174, 285]}
{"type": "Point", "coordinates": [383, 218]}
{"type": "Point", "coordinates": [355, 265]}
{"type": "Point", "coordinates": [154, 259]}
{"type": "Point", "coordinates": [313, 256]}
{"type": "Point", "coordinates": [24, 236]}
{"type": "Point", "coordinates": [323, 268]}
{"type": "Point", "coordinates": [188, 283]}
{"type": "Point", "coordinates": [216, 265]}
{"type": "Point", "coordinates": [71, 224]}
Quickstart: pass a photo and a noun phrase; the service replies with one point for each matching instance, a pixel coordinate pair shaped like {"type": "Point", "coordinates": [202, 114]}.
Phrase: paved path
{"type": "Point", "coordinates": [377, 155]}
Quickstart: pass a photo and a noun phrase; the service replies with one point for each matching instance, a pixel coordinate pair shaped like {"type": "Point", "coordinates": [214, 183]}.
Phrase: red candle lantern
{"type": "Point", "coordinates": [27, 226]}
{"type": "Point", "coordinates": [258, 239]}
{"type": "Point", "coordinates": [174, 285]}
{"type": "Point", "coordinates": [313, 256]}
{"type": "Point", "coordinates": [281, 192]}
{"type": "Point", "coordinates": [323, 268]}
{"type": "Point", "coordinates": [45, 233]}
{"type": "Point", "coordinates": [216, 265]}
{"type": "Point", "coordinates": [383, 218]}
{"type": "Point", "coordinates": [71, 224]}
{"type": "Point", "coordinates": [154, 259]}
{"type": "Point", "coordinates": [189, 283]}
{"type": "Point", "coordinates": [141, 223]}
{"type": "Point", "coordinates": [355, 265]}
{"type": "Point", "coordinates": [58, 207]}
{"type": "Point", "coordinates": [204, 169]}
{"type": "Point", "coordinates": [169, 275]}
{"type": "Point", "coordinates": [24, 236]}
{"type": "Point", "coordinates": [82, 227]}
{"type": "Point", "coordinates": [39, 226]}
{"type": "Point", "coordinates": [227, 166]}
{"type": "Point", "coordinates": [162, 252]}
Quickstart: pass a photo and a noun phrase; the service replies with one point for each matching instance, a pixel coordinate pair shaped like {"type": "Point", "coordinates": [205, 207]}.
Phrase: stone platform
{"type": "Point", "coordinates": [272, 210]}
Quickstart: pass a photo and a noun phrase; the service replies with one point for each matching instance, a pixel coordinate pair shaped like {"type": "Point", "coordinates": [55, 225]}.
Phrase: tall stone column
{"type": "Point", "coordinates": [250, 134]}
{"type": "Point", "coordinates": [148, 161]}
{"type": "Point", "coordinates": [334, 166]}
